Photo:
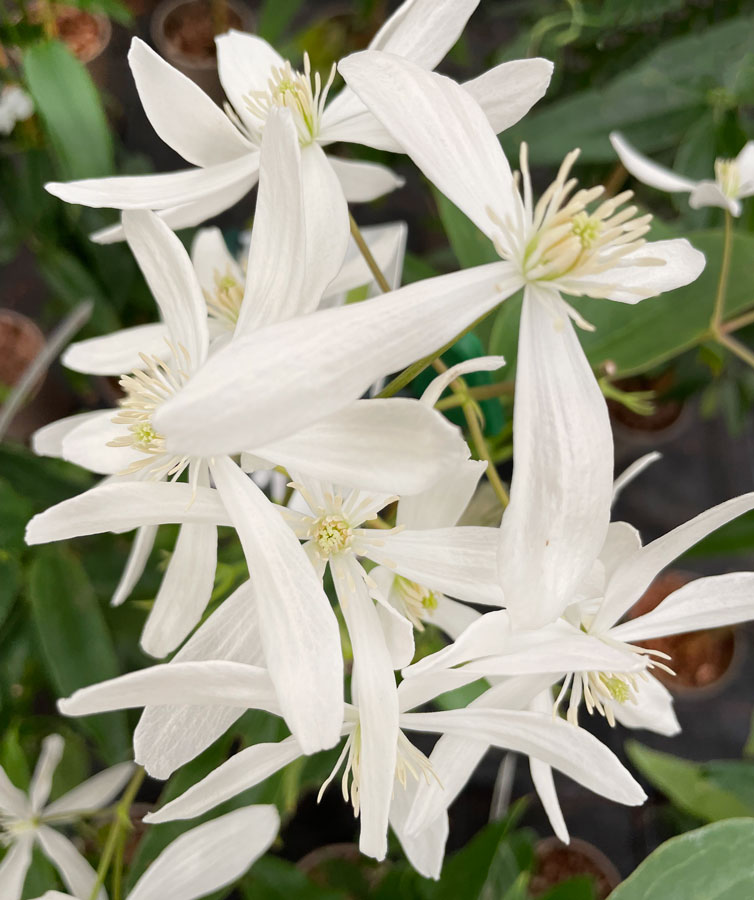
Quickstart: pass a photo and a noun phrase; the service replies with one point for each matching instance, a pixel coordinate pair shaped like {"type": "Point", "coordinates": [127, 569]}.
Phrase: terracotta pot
{"type": "Point", "coordinates": [704, 661]}
{"type": "Point", "coordinates": [20, 343]}
{"type": "Point", "coordinates": [556, 862]}
{"type": "Point", "coordinates": [183, 33]}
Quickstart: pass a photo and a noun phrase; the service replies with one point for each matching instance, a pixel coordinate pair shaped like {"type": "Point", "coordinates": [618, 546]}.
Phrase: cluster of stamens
{"type": "Point", "coordinates": [728, 177]}
{"type": "Point", "coordinates": [224, 303]}
{"type": "Point", "coordinates": [300, 92]}
{"type": "Point", "coordinates": [332, 534]}
{"type": "Point", "coordinates": [417, 600]}
{"type": "Point", "coordinates": [11, 828]}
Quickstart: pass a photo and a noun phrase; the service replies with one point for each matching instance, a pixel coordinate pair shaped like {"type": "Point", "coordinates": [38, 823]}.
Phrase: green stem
{"type": "Point", "coordinates": [483, 452]}
{"type": "Point", "coordinates": [367, 254]}
{"type": "Point", "coordinates": [117, 881]}
{"type": "Point", "coordinates": [480, 392]}
{"type": "Point", "coordinates": [736, 347]}
{"type": "Point", "coordinates": [722, 282]}
{"type": "Point", "coordinates": [739, 322]}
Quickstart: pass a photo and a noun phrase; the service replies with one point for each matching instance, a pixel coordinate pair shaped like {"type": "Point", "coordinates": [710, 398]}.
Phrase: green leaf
{"type": "Point", "coordinates": [41, 481]}
{"type": "Point", "coordinates": [686, 784]}
{"type": "Point", "coordinates": [71, 110]}
{"type": "Point", "coordinates": [274, 18]}
{"type": "Point", "coordinates": [470, 245]}
{"type": "Point", "coordinates": [10, 583]}
{"type": "Point", "coordinates": [711, 863]}
{"type": "Point", "coordinates": [277, 879]}
{"type": "Point", "coordinates": [734, 538]}
{"type": "Point", "coordinates": [581, 888]}
{"type": "Point", "coordinates": [76, 645]}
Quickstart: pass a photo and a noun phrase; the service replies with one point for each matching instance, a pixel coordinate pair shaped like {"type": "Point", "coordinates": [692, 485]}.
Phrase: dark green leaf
{"type": "Point", "coordinates": [471, 247]}
{"type": "Point", "coordinates": [275, 16]}
{"type": "Point", "coordinates": [581, 888]}
{"type": "Point", "coordinates": [276, 879]}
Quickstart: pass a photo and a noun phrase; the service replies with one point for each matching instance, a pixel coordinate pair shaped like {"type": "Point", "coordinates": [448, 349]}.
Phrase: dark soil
{"type": "Point", "coordinates": [556, 863]}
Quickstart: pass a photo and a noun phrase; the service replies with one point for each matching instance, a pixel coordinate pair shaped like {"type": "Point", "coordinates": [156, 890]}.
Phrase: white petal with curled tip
{"type": "Point", "coordinates": [94, 793]}
{"type": "Point", "coordinates": [137, 560]}
{"type": "Point", "coordinates": [460, 561]}
{"type": "Point", "coordinates": [703, 603]}
{"type": "Point", "coordinates": [441, 127]}
{"type": "Point", "coordinates": [377, 702]}
{"type": "Point", "coordinates": [116, 353]}
{"type": "Point", "coordinates": [210, 856]}
{"type": "Point", "coordinates": [245, 63]}
{"type": "Point", "coordinates": [78, 875]}
{"type": "Point", "coordinates": [87, 445]}
{"type": "Point", "coordinates": [297, 625]}
{"type": "Point", "coordinates": [479, 364]}
{"type": "Point", "coordinates": [508, 91]}
{"type": "Point", "coordinates": [637, 571]}
{"type": "Point", "coordinates": [211, 258]}
{"type": "Point", "coordinates": [396, 444]}
{"type": "Point", "coordinates": [162, 191]}
{"type": "Point", "coordinates": [124, 506]}
{"type": "Point", "coordinates": [565, 747]}
{"type": "Point", "coordinates": [48, 440]}
{"type": "Point", "coordinates": [184, 592]}
{"type": "Point", "coordinates": [299, 371]}
{"type": "Point", "coordinates": [181, 113]}
{"type": "Point", "coordinates": [41, 780]}
{"type": "Point", "coordinates": [559, 511]}
{"type": "Point", "coordinates": [364, 181]}
{"type": "Point", "coordinates": [647, 171]}
{"type": "Point", "coordinates": [172, 281]}
{"type": "Point", "coordinates": [631, 282]}
{"type": "Point", "coordinates": [387, 244]}
{"type": "Point", "coordinates": [169, 736]}
{"type": "Point", "coordinates": [212, 682]}
{"type": "Point", "coordinates": [426, 849]}
{"type": "Point", "coordinates": [633, 471]}
{"type": "Point", "coordinates": [442, 504]}
{"type": "Point", "coordinates": [653, 710]}
{"type": "Point", "coordinates": [242, 771]}
{"type": "Point", "coordinates": [278, 292]}
{"type": "Point", "coordinates": [14, 867]}
{"type": "Point", "coordinates": [709, 193]}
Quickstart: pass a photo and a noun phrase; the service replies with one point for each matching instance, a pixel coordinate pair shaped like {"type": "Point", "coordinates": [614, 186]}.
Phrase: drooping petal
{"type": "Point", "coordinates": [426, 849]}
{"type": "Point", "coordinates": [48, 440]}
{"type": "Point", "coordinates": [242, 771]}
{"type": "Point", "coordinates": [211, 259]}
{"type": "Point", "coordinates": [181, 113]}
{"type": "Point", "coordinates": [362, 181]}
{"type": "Point", "coordinates": [377, 702]}
{"type": "Point", "coordinates": [479, 364]}
{"type": "Point", "coordinates": [709, 193]}
{"type": "Point", "coordinates": [541, 775]}
{"type": "Point", "coordinates": [652, 711]}
{"type": "Point", "coordinates": [172, 280]}
{"type": "Point", "coordinates": [647, 171]}
{"type": "Point", "coordinates": [633, 471]}
{"type": "Point", "coordinates": [508, 91]}
{"type": "Point", "coordinates": [559, 511]}
{"type": "Point", "coordinates": [210, 856]}
{"type": "Point", "coordinates": [298, 628]}
{"type": "Point", "coordinates": [116, 353]}
{"type": "Point", "coordinates": [338, 353]}
{"type": "Point", "coordinates": [41, 780]}
{"type": "Point", "coordinates": [78, 876]}
{"type": "Point", "coordinates": [442, 504]}
{"type": "Point", "coordinates": [636, 573]}
{"type": "Point", "coordinates": [94, 793]}
{"type": "Point", "coordinates": [135, 564]}
{"type": "Point", "coordinates": [14, 867]}
{"type": "Point", "coordinates": [245, 63]}
{"type": "Point", "coordinates": [441, 127]}
{"type": "Point", "coordinates": [397, 444]}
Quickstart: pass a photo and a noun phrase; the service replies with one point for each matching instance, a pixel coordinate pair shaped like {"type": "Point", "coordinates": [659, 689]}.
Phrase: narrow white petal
{"type": "Point", "coordinates": [479, 364]}
{"type": "Point", "coordinates": [426, 849]}
{"type": "Point", "coordinates": [94, 793]}
{"type": "Point", "coordinates": [116, 353]}
{"type": "Point", "coordinates": [417, 690]}
{"type": "Point", "coordinates": [541, 775]}
{"type": "Point", "coordinates": [211, 258]}
{"type": "Point", "coordinates": [210, 856]}
{"type": "Point", "coordinates": [78, 876]}
{"type": "Point", "coordinates": [338, 354]}
{"type": "Point", "coordinates": [12, 800]}
{"type": "Point", "coordinates": [87, 445]}
{"type": "Point", "coordinates": [451, 616]}
{"type": "Point", "coordinates": [633, 471]}
{"type": "Point", "coordinates": [557, 519]}
{"type": "Point", "coordinates": [398, 630]}
{"type": "Point", "coordinates": [14, 867]}
{"type": "Point", "coordinates": [48, 440]}
{"type": "Point", "coordinates": [653, 710]}
{"type": "Point", "coordinates": [745, 162]}
{"type": "Point", "coordinates": [442, 504]}
{"type": "Point", "coordinates": [167, 268]}
{"type": "Point", "coordinates": [347, 119]}
{"type": "Point", "coordinates": [245, 63]}
{"type": "Point", "coordinates": [242, 771]}
{"type": "Point", "coordinates": [387, 244]}
{"type": "Point", "coordinates": [508, 91]}
{"type": "Point", "coordinates": [298, 628]}
{"type": "Point", "coordinates": [645, 170]}
{"type": "Point", "coordinates": [181, 113]}
{"type": "Point", "coordinates": [441, 127]}
{"type": "Point", "coordinates": [136, 563]}
{"type": "Point", "coordinates": [622, 541]}
{"type": "Point", "coordinates": [362, 181]}
{"type": "Point", "coordinates": [709, 193]}
{"type": "Point", "coordinates": [41, 780]}
{"type": "Point", "coordinates": [636, 573]}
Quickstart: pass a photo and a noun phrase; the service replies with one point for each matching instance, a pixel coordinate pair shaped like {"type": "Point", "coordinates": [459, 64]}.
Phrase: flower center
{"type": "Point", "coordinates": [417, 600]}
{"type": "Point", "coordinates": [728, 177]}
{"type": "Point", "coordinates": [332, 534]}
{"type": "Point", "coordinates": [300, 92]}
{"type": "Point", "coordinates": [12, 828]}
{"type": "Point", "coordinates": [224, 303]}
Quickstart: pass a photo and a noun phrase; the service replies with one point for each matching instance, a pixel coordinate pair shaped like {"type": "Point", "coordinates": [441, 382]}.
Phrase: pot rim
{"type": "Point", "coordinates": [157, 32]}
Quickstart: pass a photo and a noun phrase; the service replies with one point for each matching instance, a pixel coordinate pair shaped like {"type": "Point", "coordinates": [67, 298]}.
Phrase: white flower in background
{"type": "Point", "coordinates": [381, 788]}
{"type": "Point", "coordinates": [733, 181]}
{"type": "Point", "coordinates": [563, 453]}
{"type": "Point", "coordinates": [15, 106]}
{"type": "Point", "coordinates": [225, 146]}
{"type": "Point", "coordinates": [26, 820]}
{"type": "Point", "coordinates": [203, 860]}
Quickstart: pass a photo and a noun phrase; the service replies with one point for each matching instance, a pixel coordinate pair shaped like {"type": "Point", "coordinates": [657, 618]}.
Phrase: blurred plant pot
{"type": "Point", "coordinates": [670, 416]}
{"type": "Point", "coordinates": [20, 343]}
{"type": "Point", "coordinates": [317, 863]}
{"type": "Point", "coordinates": [183, 32]}
{"type": "Point", "coordinates": [704, 661]}
{"type": "Point", "coordinates": [556, 862]}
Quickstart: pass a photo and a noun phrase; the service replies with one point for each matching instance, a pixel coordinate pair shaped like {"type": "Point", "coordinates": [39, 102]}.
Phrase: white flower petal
{"type": "Point", "coordinates": [645, 170]}
{"type": "Point", "coordinates": [653, 710]}
{"type": "Point", "coordinates": [398, 630]}
{"type": "Point", "coordinates": [78, 875]}
{"type": "Point", "coordinates": [136, 563]}
{"type": "Point", "coordinates": [211, 258]}
{"type": "Point", "coordinates": [442, 504]}
{"type": "Point", "coordinates": [441, 127]}
{"type": "Point", "coordinates": [94, 793]}
{"type": "Point", "coordinates": [559, 511]}
{"type": "Point", "coordinates": [48, 440]}
{"type": "Point", "coordinates": [338, 353]}
{"type": "Point", "coordinates": [362, 181]}
{"type": "Point", "coordinates": [541, 775]}
{"type": "Point", "coordinates": [637, 572]}
{"type": "Point", "coordinates": [426, 849]}
{"type": "Point", "coordinates": [633, 471]}
{"type": "Point", "coordinates": [12, 800]}
{"type": "Point", "coordinates": [210, 856]}
{"type": "Point", "coordinates": [709, 193]}
{"type": "Point", "coordinates": [124, 506]}
{"type": "Point", "coordinates": [508, 91]}
{"type": "Point", "coordinates": [87, 445]}
{"type": "Point", "coordinates": [185, 590]}
{"type": "Point", "coordinates": [387, 244]}
{"type": "Point", "coordinates": [171, 278]}
{"type": "Point", "coordinates": [14, 867]}
{"type": "Point", "coordinates": [41, 780]}
{"type": "Point", "coordinates": [297, 625]}
{"type": "Point", "coordinates": [622, 541]}
{"type": "Point", "coordinates": [745, 163]}
{"type": "Point", "coordinates": [377, 702]}
{"type": "Point", "coordinates": [460, 561]}
{"type": "Point", "coordinates": [479, 364]}
{"type": "Point", "coordinates": [420, 689]}
{"type": "Point", "coordinates": [245, 63]}
{"type": "Point", "coordinates": [451, 616]}
{"type": "Point", "coordinates": [116, 353]}
{"type": "Point", "coordinates": [487, 636]}
{"type": "Point", "coordinates": [242, 771]}
{"type": "Point", "coordinates": [181, 113]}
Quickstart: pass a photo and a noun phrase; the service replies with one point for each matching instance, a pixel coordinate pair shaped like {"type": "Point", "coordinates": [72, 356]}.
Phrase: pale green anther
{"type": "Point", "coordinates": [145, 434]}
{"type": "Point", "coordinates": [586, 228]}
{"type": "Point", "coordinates": [333, 535]}
{"type": "Point", "coordinates": [429, 600]}
{"type": "Point", "coordinates": [728, 177]}
{"type": "Point", "coordinates": [617, 687]}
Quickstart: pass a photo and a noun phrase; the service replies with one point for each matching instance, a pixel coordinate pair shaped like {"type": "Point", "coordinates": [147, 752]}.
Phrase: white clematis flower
{"type": "Point", "coordinates": [203, 860]}
{"type": "Point", "coordinates": [734, 178]}
{"type": "Point", "coordinates": [225, 146]}
{"type": "Point", "coordinates": [15, 106]}
{"type": "Point", "coordinates": [26, 820]}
